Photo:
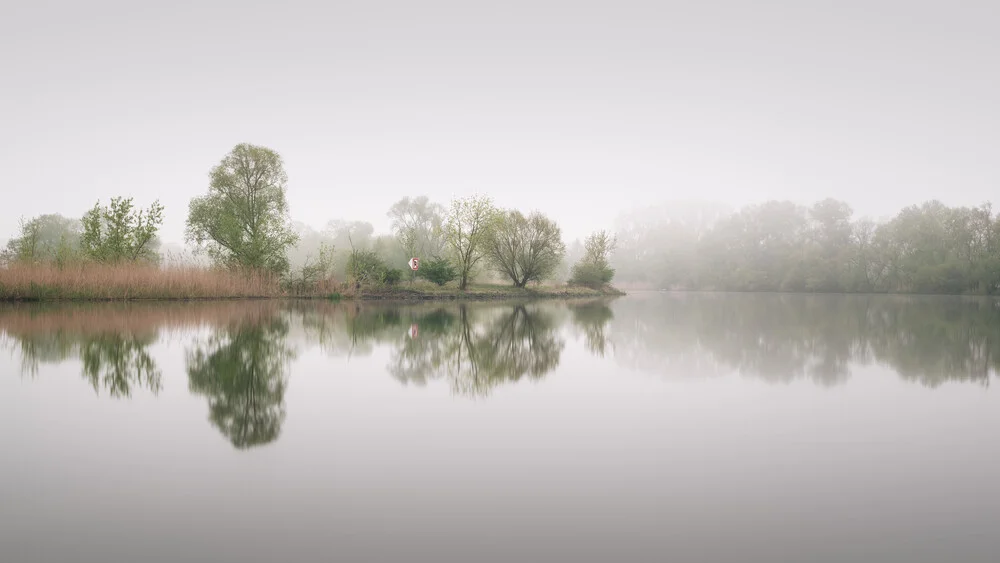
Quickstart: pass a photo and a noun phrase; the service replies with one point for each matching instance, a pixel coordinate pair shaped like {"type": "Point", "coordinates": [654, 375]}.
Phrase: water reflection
{"type": "Point", "coordinates": [780, 338]}
{"type": "Point", "coordinates": [475, 347]}
{"type": "Point", "coordinates": [114, 357]}
{"type": "Point", "coordinates": [591, 319]}
{"type": "Point", "coordinates": [242, 369]}
{"type": "Point", "coordinates": [238, 355]}
{"type": "Point", "coordinates": [119, 362]}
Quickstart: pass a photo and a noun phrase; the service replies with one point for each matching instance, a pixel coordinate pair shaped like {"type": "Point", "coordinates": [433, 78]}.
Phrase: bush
{"type": "Point", "coordinates": [438, 270]}
{"type": "Point", "coordinates": [593, 269]}
{"type": "Point", "coordinates": [365, 266]}
{"type": "Point", "coordinates": [591, 275]}
{"type": "Point", "coordinates": [392, 276]}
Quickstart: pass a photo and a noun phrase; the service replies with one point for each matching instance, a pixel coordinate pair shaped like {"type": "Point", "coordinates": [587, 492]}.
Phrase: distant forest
{"type": "Point", "coordinates": [781, 246]}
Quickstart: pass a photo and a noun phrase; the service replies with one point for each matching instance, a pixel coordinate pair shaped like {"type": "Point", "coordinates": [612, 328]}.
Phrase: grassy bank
{"type": "Point", "coordinates": [426, 291]}
{"type": "Point", "coordinates": [94, 282]}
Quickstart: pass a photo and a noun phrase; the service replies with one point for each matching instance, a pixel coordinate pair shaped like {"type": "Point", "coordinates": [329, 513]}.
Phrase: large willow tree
{"type": "Point", "coordinates": [243, 220]}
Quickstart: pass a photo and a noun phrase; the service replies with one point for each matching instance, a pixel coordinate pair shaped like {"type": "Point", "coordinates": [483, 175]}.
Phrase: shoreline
{"type": "Point", "coordinates": [487, 293]}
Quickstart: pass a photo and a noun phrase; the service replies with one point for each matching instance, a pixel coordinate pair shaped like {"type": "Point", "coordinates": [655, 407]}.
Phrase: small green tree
{"type": "Point", "coordinates": [466, 229]}
{"type": "Point", "coordinates": [437, 270]}
{"type": "Point", "coordinates": [594, 270]}
{"type": "Point", "coordinates": [120, 232]}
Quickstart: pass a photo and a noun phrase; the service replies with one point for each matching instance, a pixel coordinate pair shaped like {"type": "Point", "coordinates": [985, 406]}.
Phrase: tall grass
{"type": "Point", "coordinates": [88, 281]}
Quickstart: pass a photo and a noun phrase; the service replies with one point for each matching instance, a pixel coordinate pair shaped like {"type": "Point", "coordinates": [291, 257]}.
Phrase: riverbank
{"type": "Point", "coordinates": [480, 292]}
{"type": "Point", "coordinates": [90, 282]}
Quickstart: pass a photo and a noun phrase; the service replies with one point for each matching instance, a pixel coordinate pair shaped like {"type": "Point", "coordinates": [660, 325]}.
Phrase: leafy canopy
{"type": "Point", "coordinates": [525, 248]}
{"type": "Point", "coordinates": [243, 221]}
{"type": "Point", "coordinates": [467, 227]}
{"type": "Point", "coordinates": [121, 233]}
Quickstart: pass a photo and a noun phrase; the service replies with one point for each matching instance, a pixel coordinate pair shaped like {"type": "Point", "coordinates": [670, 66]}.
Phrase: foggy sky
{"type": "Point", "coordinates": [579, 109]}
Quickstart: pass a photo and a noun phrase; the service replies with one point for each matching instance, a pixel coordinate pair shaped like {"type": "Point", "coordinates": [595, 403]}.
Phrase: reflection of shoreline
{"type": "Point", "coordinates": [475, 347]}
{"type": "Point", "coordinates": [781, 338]}
{"type": "Point", "coordinates": [241, 365]}
{"type": "Point", "coordinates": [27, 319]}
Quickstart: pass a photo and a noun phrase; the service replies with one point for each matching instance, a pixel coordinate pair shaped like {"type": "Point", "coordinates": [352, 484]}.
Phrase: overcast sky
{"type": "Point", "coordinates": [579, 109]}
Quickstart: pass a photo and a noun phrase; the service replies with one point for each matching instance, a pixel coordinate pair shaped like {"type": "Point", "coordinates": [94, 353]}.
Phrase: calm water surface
{"type": "Point", "coordinates": [655, 427]}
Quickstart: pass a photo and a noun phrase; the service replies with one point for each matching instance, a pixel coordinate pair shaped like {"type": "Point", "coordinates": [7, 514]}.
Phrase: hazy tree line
{"type": "Point", "coordinates": [781, 246]}
{"type": "Point", "coordinates": [243, 222]}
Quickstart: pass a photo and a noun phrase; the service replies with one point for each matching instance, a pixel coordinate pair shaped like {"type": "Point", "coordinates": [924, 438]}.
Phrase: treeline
{"type": "Point", "coordinates": [243, 224]}
{"type": "Point", "coordinates": [781, 246]}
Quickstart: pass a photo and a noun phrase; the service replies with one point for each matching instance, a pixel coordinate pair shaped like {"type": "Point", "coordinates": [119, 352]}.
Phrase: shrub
{"type": "Point", "coordinates": [592, 275]}
{"type": "Point", "coordinates": [438, 270]}
{"type": "Point", "coordinates": [392, 276]}
{"type": "Point", "coordinates": [365, 266]}
{"type": "Point", "coordinates": [593, 269]}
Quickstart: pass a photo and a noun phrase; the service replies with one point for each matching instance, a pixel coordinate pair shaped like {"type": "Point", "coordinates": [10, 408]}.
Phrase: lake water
{"type": "Point", "coordinates": [653, 427]}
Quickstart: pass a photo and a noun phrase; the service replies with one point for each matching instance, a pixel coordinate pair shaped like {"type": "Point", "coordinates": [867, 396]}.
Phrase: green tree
{"type": "Point", "coordinates": [121, 233]}
{"type": "Point", "coordinates": [467, 227]}
{"type": "Point", "coordinates": [523, 248]}
{"type": "Point", "coordinates": [243, 220]}
{"type": "Point", "coordinates": [594, 269]}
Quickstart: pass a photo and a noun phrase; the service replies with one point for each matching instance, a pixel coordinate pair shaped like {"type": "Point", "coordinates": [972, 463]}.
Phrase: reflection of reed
{"type": "Point", "coordinates": [25, 319]}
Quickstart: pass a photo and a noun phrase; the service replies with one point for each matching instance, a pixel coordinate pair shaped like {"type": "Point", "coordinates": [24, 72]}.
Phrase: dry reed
{"type": "Point", "coordinates": [131, 281]}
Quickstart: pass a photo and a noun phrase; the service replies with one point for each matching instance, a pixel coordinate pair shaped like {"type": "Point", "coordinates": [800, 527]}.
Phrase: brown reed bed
{"type": "Point", "coordinates": [103, 282]}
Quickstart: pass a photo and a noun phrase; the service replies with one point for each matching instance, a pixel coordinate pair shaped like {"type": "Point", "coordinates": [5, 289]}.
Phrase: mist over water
{"type": "Point", "coordinates": [658, 426]}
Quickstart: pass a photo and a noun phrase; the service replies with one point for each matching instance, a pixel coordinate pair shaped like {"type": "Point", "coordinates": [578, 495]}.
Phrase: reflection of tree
{"type": "Point", "coordinates": [475, 346]}
{"type": "Point", "coordinates": [820, 337]}
{"type": "Point", "coordinates": [242, 370]}
{"type": "Point", "coordinates": [117, 361]}
{"type": "Point", "coordinates": [111, 340]}
{"type": "Point", "coordinates": [120, 361]}
{"type": "Point", "coordinates": [592, 318]}
{"type": "Point", "coordinates": [479, 348]}
{"type": "Point", "coordinates": [350, 330]}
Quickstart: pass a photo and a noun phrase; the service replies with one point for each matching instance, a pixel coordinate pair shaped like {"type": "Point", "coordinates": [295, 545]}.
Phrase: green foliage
{"type": "Point", "coordinates": [392, 276]}
{"type": "Point", "coordinates": [366, 267]}
{"type": "Point", "coordinates": [120, 233]}
{"type": "Point", "coordinates": [438, 271]}
{"type": "Point", "coordinates": [44, 239]}
{"type": "Point", "coordinates": [591, 275]}
{"type": "Point", "coordinates": [243, 220]}
{"type": "Point", "coordinates": [466, 231]}
{"type": "Point", "coordinates": [594, 270]}
{"type": "Point", "coordinates": [524, 249]}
